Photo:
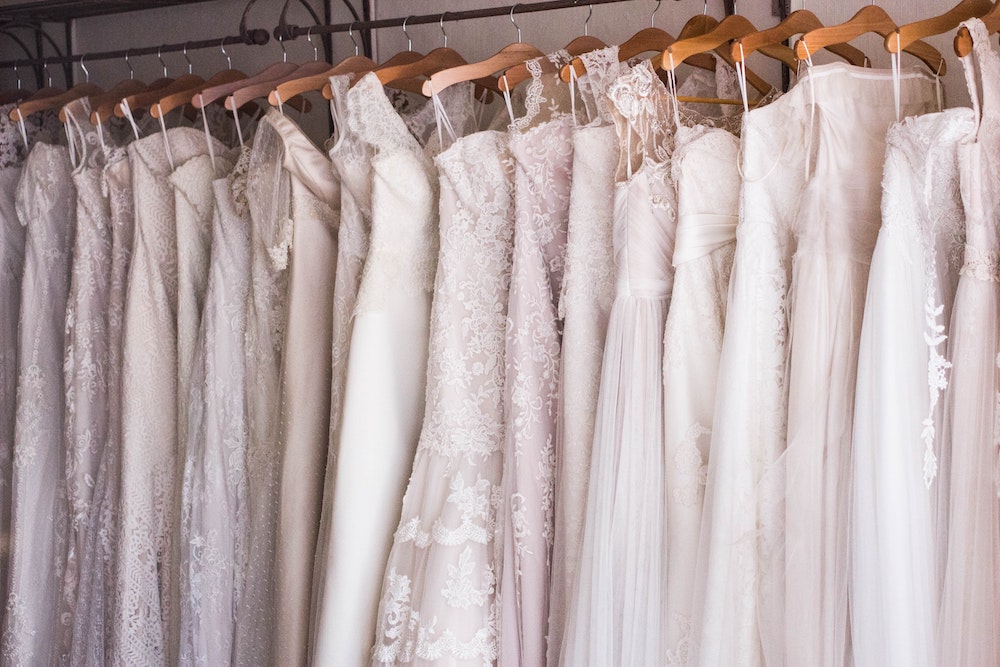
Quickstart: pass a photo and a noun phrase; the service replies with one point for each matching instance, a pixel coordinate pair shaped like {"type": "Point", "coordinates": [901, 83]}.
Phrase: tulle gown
{"type": "Point", "coordinates": [438, 602]}
{"type": "Point", "coordinates": [969, 624]}
{"type": "Point", "coordinates": [617, 614]}
{"type": "Point", "coordinates": [835, 230]}
{"type": "Point", "coordinates": [588, 291]}
{"type": "Point", "coordinates": [901, 375]}
{"type": "Point", "coordinates": [708, 183]}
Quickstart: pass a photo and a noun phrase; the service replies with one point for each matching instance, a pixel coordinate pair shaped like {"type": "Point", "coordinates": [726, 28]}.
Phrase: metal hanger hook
{"type": "Point", "coordinates": [131, 70]}
{"type": "Point", "coordinates": [18, 75]}
{"type": "Point", "coordinates": [222, 47]}
{"type": "Point", "coordinates": [586, 23]}
{"type": "Point", "coordinates": [409, 40]}
{"type": "Point", "coordinates": [48, 74]}
{"type": "Point", "coordinates": [309, 38]}
{"type": "Point", "coordinates": [441, 25]}
{"type": "Point", "coordinates": [86, 72]}
{"type": "Point", "coordinates": [653, 15]}
{"type": "Point", "coordinates": [284, 52]}
{"type": "Point", "coordinates": [350, 33]}
{"type": "Point", "coordinates": [159, 56]}
{"type": "Point", "coordinates": [190, 66]}
{"type": "Point", "coordinates": [514, 23]}
{"type": "Point", "coordinates": [704, 9]}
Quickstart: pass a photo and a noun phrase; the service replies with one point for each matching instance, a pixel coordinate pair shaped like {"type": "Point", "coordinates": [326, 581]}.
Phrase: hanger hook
{"type": "Point", "coordinates": [586, 23]}
{"type": "Point", "coordinates": [131, 70]}
{"type": "Point", "coordinates": [350, 33]}
{"type": "Point", "coordinates": [86, 72]}
{"type": "Point", "coordinates": [159, 56]}
{"type": "Point", "coordinates": [190, 66]}
{"type": "Point", "coordinates": [222, 47]}
{"type": "Point", "coordinates": [284, 52]}
{"type": "Point", "coordinates": [656, 9]}
{"type": "Point", "coordinates": [409, 40]}
{"type": "Point", "coordinates": [704, 9]}
{"type": "Point", "coordinates": [441, 25]}
{"type": "Point", "coordinates": [514, 23]}
{"type": "Point", "coordinates": [18, 75]}
{"type": "Point", "coordinates": [309, 38]}
{"type": "Point", "coordinates": [48, 74]}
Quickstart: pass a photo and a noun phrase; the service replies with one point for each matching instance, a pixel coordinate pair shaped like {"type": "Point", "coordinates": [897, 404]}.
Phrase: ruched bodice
{"type": "Point", "coordinates": [644, 235]}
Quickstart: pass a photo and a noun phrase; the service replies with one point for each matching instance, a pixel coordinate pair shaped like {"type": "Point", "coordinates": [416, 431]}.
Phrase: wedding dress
{"type": "Point", "coordinates": [705, 171]}
{"type": "Point", "coordinates": [542, 148]}
{"type": "Point", "coordinates": [304, 417]}
{"type": "Point", "coordinates": [383, 399]}
{"type": "Point", "coordinates": [584, 306]}
{"type": "Point", "coordinates": [13, 153]}
{"type": "Point", "coordinates": [214, 508]}
{"type": "Point", "coordinates": [835, 231]}
{"type": "Point", "coordinates": [617, 614]}
{"type": "Point", "coordinates": [438, 601]}
{"type": "Point", "coordinates": [969, 623]}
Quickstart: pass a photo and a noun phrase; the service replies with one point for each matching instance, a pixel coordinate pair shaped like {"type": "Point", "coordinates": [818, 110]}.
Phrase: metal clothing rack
{"type": "Point", "coordinates": [291, 32]}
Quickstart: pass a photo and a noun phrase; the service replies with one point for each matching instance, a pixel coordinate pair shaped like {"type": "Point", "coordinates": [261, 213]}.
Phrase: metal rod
{"type": "Point", "coordinates": [257, 36]}
{"type": "Point", "coordinates": [519, 8]}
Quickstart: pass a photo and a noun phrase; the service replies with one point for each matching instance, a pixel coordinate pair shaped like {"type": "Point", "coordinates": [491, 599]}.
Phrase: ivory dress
{"type": "Point", "coordinates": [836, 228]}
{"type": "Point", "coordinates": [969, 624]}
{"type": "Point", "coordinates": [39, 528]}
{"type": "Point", "coordinates": [588, 291]}
{"type": "Point", "coordinates": [618, 613]}
{"type": "Point", "coordinates": [438, 602]}
{"type": "Point", "coordinates": [304, 418]}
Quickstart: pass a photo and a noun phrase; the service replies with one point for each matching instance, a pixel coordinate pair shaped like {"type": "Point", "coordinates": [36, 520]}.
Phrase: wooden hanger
{"type": "Point", "coordinates": [510, 55]}
{"type": "Point", "coordinates": [355, 64]}
{"type": "Point", "coordinates": [410, 77]}
{"type": "Point", "coordinates": [103, 105]}
{"type": "Point", "coordinates": [717, 40]}
{"type": "Point", "coordinates": [963, 40]}
{"type": "Point", "coordinates": [44, 92]}
{"type": "Point", "coordinates": [796, 23]}
{"type": "Point", "coordinates": [145, 99]}
{"type": "Point", "coordinates": [870, 18]}
{"type": "Point", "coordinates": [247, 92]}
{"type": "Point", "coordinates": [936, 25]}
{"type": "Point", "coordinates": [576, 47]}
{"type": "Point", "coordinates": [35, 103]}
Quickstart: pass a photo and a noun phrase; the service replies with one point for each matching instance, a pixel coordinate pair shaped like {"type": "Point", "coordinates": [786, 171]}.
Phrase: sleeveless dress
{"type": "Point", "coordinates": [13, 153]}
{"type": "Point", "coordinates": [214, 502]}
{"type": "Point", "coordinates": [351, 158]}
{"type": "Point", "coordinates": [87, 353]}
{"type": "Point", "coordinates": [304, 417]}
{"type": "Point", "coordinates": [969, 624]}
{"type": "Point", "coordinates": [617, 615]}
{"type": "Point", "coordinates": [706, 173]}
{"type": "Point", "coordinates": [438, 600]}
{"type": "Point", "coordinates": [147, 568]}
{"type": "Point", "coordinates": [97, 600]}
{"type": "Point", "coordinates": [39, 526]}
{"type": "Point", "coordinates": [267, 192]}
{"type": "Point", "coordinates": [588, 291]}
{"type": "Point", "coordinates": [542, 148]}
{"type": "Point", "coordinates": [902, 372]}
{"type": "Point", "coordinates": [383, 399]}
{"type": "Point", "coordinates": [835, 230]}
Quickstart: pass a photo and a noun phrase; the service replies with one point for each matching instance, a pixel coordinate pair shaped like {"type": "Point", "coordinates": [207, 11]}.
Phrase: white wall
{"type": "Point", "coordinates": [474, 39]}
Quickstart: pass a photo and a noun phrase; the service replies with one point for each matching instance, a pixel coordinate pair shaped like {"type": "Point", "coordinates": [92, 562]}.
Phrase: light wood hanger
{"type": "Point", "coordinates": [171, 101]}
{"type": "Point", "coordinates": [717, 40]}
{"type": "Point", "coordinates": [796, 23]}
{"type": "Point", "coordinates": [103, 105]}
{"type": "Point", "coordinates": [44, 92]}
{"type": "Point", "coordinates": [963, 40]}
{"type": "Point", "coordinates": [585, 43]}
{"type": "Point", "coordinates": [505, 58]}
{"type": "Point", "coordinates": [247, 91]}
{"type": "Point", "coordinates": [147, 98]}
{"type": "Point", "coordinates": [936, 25]}
{"type": "Point", "coordinates": [411, 77]}
{"type": "Point", "coordinates": [356, 64]}
{"type": "Point", "coordinates": [35, 104]}
{"type": "Point", "coordinates": [870, 18]}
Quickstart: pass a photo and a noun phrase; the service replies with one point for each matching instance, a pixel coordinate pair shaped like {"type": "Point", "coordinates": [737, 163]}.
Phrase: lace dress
{"type": "Point", "coordinates": [12, 237]}
{"type": "Point", "coordinates": [438, 600]}
{"type": "Point", "coordinates": [214, 508]}
{"type": "Point", "coordinates": [304, 419]}
{"type": "Point", "coordinates": [86, 363]}
{"type": "Point", "coordinates": [969, 630]}
{"type": "Point", "coordinates": [267, 191]}
{"type": "Point", "coordinates": [96, 603]}
{"type": "Point", "coordinates": [147, 567]}
{"type": "Point", "coordinates": [618, 613]}
{"type": "Point", "coordinates": [46, 205]}
{"type": "Point", "coordinates": [836, 229]}
{"type": "Point", "coordinates": [383, 399]}
{"type": "Point", "coordinates": [542, 148]}
{"type": "Point", "coordinates": [705, 170]}
{"type": "Point", "coordinates": [588, 291]}
{"type": "Point", "coordinates": [351, 157]}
